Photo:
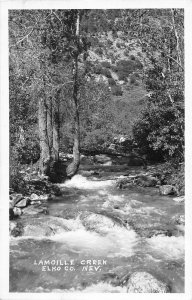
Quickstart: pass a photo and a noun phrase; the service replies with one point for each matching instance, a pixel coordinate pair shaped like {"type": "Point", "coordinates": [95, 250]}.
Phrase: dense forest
{"type": "Point", "coordinates": [97, 194]}
{"type": "Point", "coordinates": [80, 79]}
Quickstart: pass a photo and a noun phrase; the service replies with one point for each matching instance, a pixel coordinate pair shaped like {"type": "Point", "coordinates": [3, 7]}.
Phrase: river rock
{"type": "Point", "coordinates": [97, 222]}
{"type": "Point", "coordinates": [44, 226]}
{"type": "Point", "coordinates": [23, 202]}
{"type": "Point", "coordinates": [146, 181]}
{"type": "Point", "coordinates": [123, 183]}
{"type": "Point", "coordinates": [34, 197]}
{"type": "Point", "coordinates": [102, 159]}
{"type": "Point", "coordinates": [134, 161]}
{"type": "Point", "coordinates": [179, 219]}
{"type": "Point", "coordinates": [16, 229]}
{"type": "Point", "coordinates": [38, 230]}
{"type": "Point", "coordinates": [35, 210]}
{"type": "Point", "coordinates": [165, 190]}
{"type": "Point", "coordinates": [143, 282]}
{"type": "Point", "coordinates": [179, 199]}
{"type": "Point", "coordinates": [17, 211]}
{"type": "Point", "coordinates": [146, 228]}
{"type": "Point", "coordinates": [44, 197]}
{"type": "Point", "coordinates": [15, 198]}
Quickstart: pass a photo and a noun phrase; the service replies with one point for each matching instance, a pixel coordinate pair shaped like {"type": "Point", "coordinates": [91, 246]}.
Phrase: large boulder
{"type": "Point", "coordinates": [165, 190]}
{"type": "Point", "coordinates": [35, 209]}
{"type": "Point", "coordinates": [146, 181]}
{"type": "Point", "coordinates": [23, 202]}
{"type": "Point", "coordinates": [143, 282]}
{"type": "Point", "coordinates": [140, 180]}
{"type": "Point", "coordinates": [38, 227]}
{"type": "Point", "coordinates": [97, 222]}
{"type": "Point", "coordinates": [123, 183]}
{"type": "Point", "coordinates": [15, 198]}
{"type": "Point", "coordinates": [146, 228]}
{"type": "Point", "coordinates": [34, 197]}
{"type": "Point", "coordinates": [102, 159]}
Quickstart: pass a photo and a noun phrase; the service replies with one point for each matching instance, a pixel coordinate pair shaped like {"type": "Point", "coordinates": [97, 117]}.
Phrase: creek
{"type": "Point", "coordinates": [102, 234]}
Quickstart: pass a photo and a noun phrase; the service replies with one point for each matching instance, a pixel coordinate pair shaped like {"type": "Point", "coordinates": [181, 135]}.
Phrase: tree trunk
{"type": "Point", "coordinates": [49, 122]}
{"type": "Point", "coordinates": [176, 37]}
{"type": "Point", "coordinates": [55, 130]}
{"type": "Point", "coordinates": [73, 167]}
{"type": "Point", "coordinates": [44, 140]}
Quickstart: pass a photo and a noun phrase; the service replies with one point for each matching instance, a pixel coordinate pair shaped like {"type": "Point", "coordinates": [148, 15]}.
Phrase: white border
{"type": "Point", "coordinates": [4, 140]}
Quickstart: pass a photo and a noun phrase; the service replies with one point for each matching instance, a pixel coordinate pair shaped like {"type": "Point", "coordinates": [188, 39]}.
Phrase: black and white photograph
{"type": "Point", "coordinates": [96, 150]}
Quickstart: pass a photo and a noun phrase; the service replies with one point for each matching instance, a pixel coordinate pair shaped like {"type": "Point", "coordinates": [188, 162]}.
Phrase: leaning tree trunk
{"type": "Point", "coordinates": [73, 167]}
{"type": "Point", "coordinates": [45, 157]}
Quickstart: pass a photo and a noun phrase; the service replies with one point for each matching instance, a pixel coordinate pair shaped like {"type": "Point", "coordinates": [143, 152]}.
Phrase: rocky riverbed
{"type": "Point", "coordinates": [122, 216]}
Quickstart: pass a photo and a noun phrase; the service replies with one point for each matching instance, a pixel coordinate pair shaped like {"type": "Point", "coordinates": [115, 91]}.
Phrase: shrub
{"type": "Point", "coordinates": [16, 181]}
{"type": "Point", "coordinates": [132, 79]}
{"type": "Point", "coordinates": [109, 43]}
{"type": "Point", "coordinates": [99, 51]}
{"type": "Point", "coordinates": [132, 57]}
{"type": "Point", "coordinates": [126, 52]}
{"type": "Point", "coordinates": [29, 152]}
{"type": "Point", "coordinates": [106, 72]}
{"type": "Point", "coordinates": [118, 45]}
{"type": "Point", "coordinates": [114, 68]}
{"type": "Point", "coordinates": [111, 81]}
{"type": "Point", "coordinates": [116, 90]}
{"type": "Point", "coordinates": [106, 64]}
{"type": "Point", "coordinates": [98, 69]}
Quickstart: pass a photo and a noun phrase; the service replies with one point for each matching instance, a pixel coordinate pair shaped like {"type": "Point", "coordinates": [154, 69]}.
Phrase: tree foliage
{"type": "Point", "coordinates": [142, 47]}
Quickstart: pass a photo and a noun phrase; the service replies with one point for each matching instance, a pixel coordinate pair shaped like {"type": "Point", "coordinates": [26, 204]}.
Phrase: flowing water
{"type": "Point", "coordinates": [102, 234]}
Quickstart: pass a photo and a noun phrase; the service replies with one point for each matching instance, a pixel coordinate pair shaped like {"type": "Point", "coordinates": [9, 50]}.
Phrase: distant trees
{"type": "Point", "coordinates": [54, 94]}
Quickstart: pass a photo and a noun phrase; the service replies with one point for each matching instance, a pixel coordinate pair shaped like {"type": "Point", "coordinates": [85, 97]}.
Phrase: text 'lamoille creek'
{"type": "Point", "coordinates": [97, 192]}
{"type": "Point", "coordinates": [99, 236]}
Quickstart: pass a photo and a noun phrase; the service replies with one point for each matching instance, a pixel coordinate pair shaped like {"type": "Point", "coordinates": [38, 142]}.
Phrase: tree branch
{"type": "Point", "coordinates": [175, 61]}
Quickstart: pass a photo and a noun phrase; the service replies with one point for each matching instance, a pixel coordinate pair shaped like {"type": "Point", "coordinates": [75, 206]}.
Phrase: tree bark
{"type": "Point", "coordinates": [73, 167]}
{"type": "Point", "coordinates": [55, 130]}
{"type": "Point", "coordinates": [177, 38]}
{"type": "Point", "coordinates": [44, 140]}
{"type": "Point", "coordinates": [49, 122]}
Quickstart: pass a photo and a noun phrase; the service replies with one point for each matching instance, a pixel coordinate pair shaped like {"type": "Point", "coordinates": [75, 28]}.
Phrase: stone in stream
{"type": "Point", "coordinates": [34, 197]}
{"type": "Point", "coordinates": [149, 229]}
{"type": "Point", "coordinates": [179, 219]}
{"type": "Point", "coordinates": [97, 222]}
{"type": "Point", "coordinates": [16, 229]}
{"type": "Point", "coordinates": [17, 211]}
{"type": "Point", "coordinates": [179, 199]}
{"type": "Point", "coordinates": [102, 159]}
{"type": "Point", "coordinates": [141, 180]}
{"type": "Point", "coordinates": [35, 210]}
{"type": "Point", "coordinates": [146, 181]}
{"type": "Point", "coordinates": [23, 202]}
{"type": "Point", "coordinates": [45, 226]}
{"type": "Point", "coordinates": [165, 190]}
{"type": "Point", "coordinates": [143, 282]}
{"type": "Point", "coordinates": [15, 198]}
